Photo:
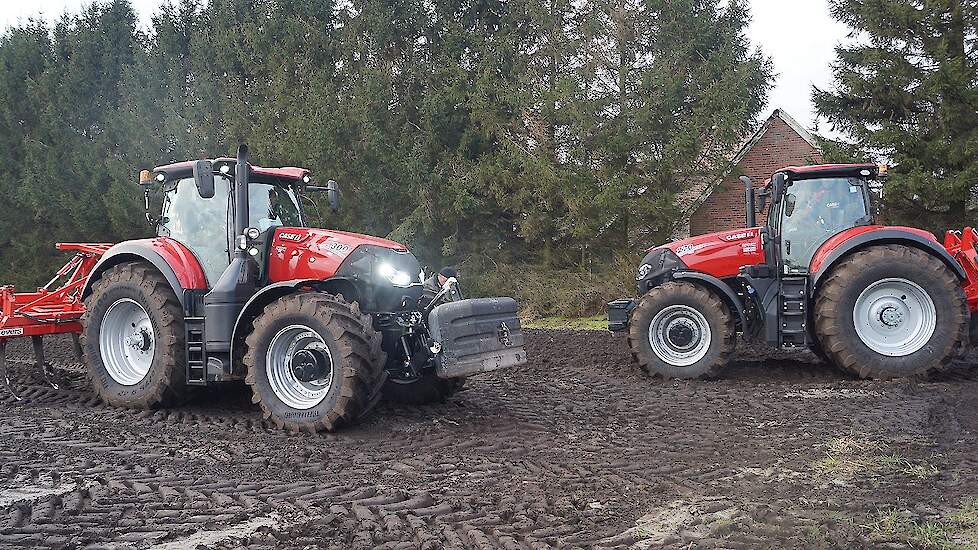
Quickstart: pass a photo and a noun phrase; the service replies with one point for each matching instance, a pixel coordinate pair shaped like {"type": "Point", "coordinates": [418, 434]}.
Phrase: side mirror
{"type": "Point", "coordinates": [763, 194]}
{"type": "Point", "coordinates": [789, 204]}
{"type": "Point", "coordinates": [333, 196]}
{"type": "Point", "coordinates": [204, 177]}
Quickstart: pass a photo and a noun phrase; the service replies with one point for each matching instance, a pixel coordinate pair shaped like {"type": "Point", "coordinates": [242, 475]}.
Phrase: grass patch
{"type": "Point", "coordinates": [957, 531]}
{"type": "Point", "coordinates": [850, 457]}
{"type": "Point", "coordinates": [597, 322]}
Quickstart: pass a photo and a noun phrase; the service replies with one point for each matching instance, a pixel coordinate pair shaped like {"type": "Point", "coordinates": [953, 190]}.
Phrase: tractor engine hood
{"type": "Point", "coordinates": [719, 254]}
{"type": "Point", "coordinates": [318, 254]}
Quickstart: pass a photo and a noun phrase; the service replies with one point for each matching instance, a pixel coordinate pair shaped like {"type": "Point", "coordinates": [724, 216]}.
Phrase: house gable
{"type": "Point", "coordinates": [780, 142]}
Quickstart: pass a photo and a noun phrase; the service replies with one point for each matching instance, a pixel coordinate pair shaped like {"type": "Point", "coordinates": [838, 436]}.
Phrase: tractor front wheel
{"type": "Point", "coordinates": [891, 311]}
{"type": "Point", "coordinates": [681, 330]}
{"type": "Point", "coordinates": [314, 362]}
{"type": "Point", "coordinates": [133, 339]}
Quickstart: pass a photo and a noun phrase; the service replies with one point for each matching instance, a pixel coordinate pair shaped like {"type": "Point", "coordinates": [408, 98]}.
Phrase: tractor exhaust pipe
{"type": "Point", "coordinates": [749, 194]}
{"type": "Point", "coordinates": [241, 210]}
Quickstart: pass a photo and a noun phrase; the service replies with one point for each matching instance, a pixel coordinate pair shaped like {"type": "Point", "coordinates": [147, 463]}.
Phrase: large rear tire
{"type": "Point", "coordinates": [891, 311]}
{"type": "Point", "coordinates": [133, 339]}
{"type": "Point", "coordinates": [681, 330]}
{"type": "Point", "coordinates": [314, 362]}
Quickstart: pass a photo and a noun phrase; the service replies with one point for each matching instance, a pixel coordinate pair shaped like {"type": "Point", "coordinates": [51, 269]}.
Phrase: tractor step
{"type": "Point", "coordinates": [196, 352]}
{"type": "Point", "coordinates": [793, 313]}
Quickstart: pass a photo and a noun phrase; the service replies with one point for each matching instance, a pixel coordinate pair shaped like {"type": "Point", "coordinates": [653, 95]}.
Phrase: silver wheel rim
{"type": "Point", "coordinates": [127, 342]}
{"type": "Point", "coordinates": [279, 363]}
{"type": "Point", "coordinates": [894, 317]}
{"type": "Point", "coordinates": [680, 335]}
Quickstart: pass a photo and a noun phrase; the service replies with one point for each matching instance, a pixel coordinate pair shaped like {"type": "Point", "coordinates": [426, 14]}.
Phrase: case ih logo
{"type": "Point", "coordinates": [739, 236]}
{"type": "Point", "coordinates": [294, 237]}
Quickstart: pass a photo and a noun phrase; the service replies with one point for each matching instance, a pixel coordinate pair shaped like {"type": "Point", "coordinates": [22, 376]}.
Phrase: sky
{"type": "Point", "coordinates": [798, 35]}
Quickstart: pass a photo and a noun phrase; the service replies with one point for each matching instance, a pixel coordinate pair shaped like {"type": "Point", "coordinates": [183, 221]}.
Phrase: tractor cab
{"type": "Point", "coordinates": [810, 205]}
{"type": "Point", "coordinates": [198, 208]}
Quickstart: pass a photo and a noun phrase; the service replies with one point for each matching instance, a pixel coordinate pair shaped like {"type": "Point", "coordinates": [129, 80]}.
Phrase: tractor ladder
{"type": "Point", "coordinates": [55, 308]}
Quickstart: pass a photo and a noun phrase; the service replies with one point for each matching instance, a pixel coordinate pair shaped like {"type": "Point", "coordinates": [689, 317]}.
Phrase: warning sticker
{"type": "Point", "coordinates": [11, 332]}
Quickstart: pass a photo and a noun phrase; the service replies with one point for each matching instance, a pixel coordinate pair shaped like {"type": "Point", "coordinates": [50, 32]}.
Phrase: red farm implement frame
{"type": "Point", "coordinates": [55, 308]}
{"type": "Point", "coordinates": [961, 245]}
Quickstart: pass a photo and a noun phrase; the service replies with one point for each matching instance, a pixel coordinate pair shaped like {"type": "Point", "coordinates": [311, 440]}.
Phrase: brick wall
{"type": "Point", "coordinates": [724, 209]}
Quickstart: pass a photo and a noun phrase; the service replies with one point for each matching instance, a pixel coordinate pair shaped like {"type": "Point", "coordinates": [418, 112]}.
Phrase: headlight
{"type": "Point", "coordinates": [394, 276]}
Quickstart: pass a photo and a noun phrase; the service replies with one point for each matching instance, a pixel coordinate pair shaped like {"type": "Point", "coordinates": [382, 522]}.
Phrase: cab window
{"type": "Point", "coordinates": [814, 210]}
{"type": "Point", "coordinates": [199, 224]}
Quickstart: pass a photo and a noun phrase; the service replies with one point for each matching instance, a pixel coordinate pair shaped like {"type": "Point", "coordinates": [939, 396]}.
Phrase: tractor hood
{"type": "Point", "coordinates": [718, 254]}
{"type": "Point", "coordinates": [317, 254]}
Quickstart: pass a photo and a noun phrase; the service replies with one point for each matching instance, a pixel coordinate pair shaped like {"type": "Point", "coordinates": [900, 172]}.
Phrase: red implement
{"type": "Point", "coordinates": [55, 308]}
{"type": "Point", "coordinates": [961, 245]}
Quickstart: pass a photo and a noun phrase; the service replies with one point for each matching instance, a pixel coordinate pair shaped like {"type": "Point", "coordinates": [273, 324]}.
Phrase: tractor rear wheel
{"type": "Point", "coordinates": [314, 362]}
{"type": "Point", "coordinates": [681, 330]}
{"type": "Point", "coordinates": [133, 339]}
{"type": "Point", "coordinates": [423, 389]}
{"type": "Point", "coordinates": [891, 311]}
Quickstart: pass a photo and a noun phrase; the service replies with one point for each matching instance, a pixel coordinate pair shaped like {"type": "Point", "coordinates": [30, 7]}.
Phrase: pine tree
{"type": "Point", "coordinates": [907, 90]}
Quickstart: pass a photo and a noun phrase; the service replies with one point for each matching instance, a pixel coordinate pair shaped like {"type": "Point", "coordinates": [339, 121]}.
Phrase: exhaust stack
{"type": "Point", "coordinates": [749, 193]}
{"type": "Point", "coordinates": [241, 210]}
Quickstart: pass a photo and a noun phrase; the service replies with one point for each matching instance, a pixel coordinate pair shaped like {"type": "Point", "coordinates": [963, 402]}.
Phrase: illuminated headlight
{"type": "Point", "coordinates": [395, 276]}
{"type": "Point", "coordinates": [643, 272]}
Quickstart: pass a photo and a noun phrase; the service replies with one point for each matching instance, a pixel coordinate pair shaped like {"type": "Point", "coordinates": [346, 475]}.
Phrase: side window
{"type": "Point", "coordinates": [199, 224]}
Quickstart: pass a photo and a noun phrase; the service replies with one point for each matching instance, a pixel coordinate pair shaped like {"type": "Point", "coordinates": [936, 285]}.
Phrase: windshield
{"type": "Point", "coordinates": [272, 206]}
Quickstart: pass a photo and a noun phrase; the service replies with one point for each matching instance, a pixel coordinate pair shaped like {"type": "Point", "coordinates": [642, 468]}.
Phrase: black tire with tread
{"type": "Point", "coordinates": [354, 344]}
{"type": "Point", "coordinates": [428, 388]}
{"type": "Point", "coordinates": [703, 300]}
{"type": "Point", "coordinates": [165, 384]}
{"type": "Point", "coordinates": [835, 301]}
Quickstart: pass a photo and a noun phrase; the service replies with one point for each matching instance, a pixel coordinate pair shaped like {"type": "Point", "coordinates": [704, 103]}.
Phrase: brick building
{"type": "Point", "coordinates": [719, 205]}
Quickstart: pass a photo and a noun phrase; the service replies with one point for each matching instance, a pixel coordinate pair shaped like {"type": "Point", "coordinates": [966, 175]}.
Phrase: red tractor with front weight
{"type": "Point", "coordinates": [320, 323]}
{"type": "Point", "coordinates": [878, 301]}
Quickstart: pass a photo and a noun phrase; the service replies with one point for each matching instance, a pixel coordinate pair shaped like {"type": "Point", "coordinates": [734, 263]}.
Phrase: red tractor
{"type": "Point", "coordinates": [320, 323]}
{"type": "Point", "coordinates": [878, 301]}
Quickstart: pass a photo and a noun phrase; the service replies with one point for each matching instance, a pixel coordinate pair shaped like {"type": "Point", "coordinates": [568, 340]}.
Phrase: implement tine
{"type": "Point", "coordinates": [38, 343]}
{"type": "Point", "coordinates": [3, 370]}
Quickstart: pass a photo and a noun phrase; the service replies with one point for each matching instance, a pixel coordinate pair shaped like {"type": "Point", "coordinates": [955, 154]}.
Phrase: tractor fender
{"type": "Point", "coordinates": [855, 239]}
{"type": "Point", "coordinates": [717, 285]}
{"type": "Point", "coordinates": [268, 294]}
{"type": "Point", "coordinates": [178, 264]}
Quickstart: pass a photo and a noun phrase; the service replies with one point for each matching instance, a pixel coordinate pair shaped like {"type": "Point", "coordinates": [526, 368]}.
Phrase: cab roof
{"type": "Point", "coordinates": [817, 170]}
{"type": "Point", "coordinates": [186, 168]}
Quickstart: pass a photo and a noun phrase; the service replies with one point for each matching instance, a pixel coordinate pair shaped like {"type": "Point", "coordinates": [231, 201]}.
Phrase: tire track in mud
{"type": "Point", "coordinates": [577, 449]}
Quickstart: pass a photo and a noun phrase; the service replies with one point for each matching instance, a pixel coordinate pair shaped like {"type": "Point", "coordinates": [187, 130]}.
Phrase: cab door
{"type": "Point", "coordinates": [812, 211]}
{"type": "Point", "coordinates": [202, 225]}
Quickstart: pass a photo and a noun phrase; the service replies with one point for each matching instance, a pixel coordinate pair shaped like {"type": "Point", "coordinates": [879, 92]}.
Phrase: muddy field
{"type": "Point", "coordinates": [577, 449]}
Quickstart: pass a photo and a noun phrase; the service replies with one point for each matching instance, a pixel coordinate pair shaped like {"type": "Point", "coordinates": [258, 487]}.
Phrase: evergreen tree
{"type": "Point", "coordinates": [907, 89]}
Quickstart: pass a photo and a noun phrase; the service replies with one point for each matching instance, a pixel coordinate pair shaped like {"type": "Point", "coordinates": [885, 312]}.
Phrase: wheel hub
{"type": "Point", "coordinates": [126, 342]}
{"type": "Point", "coordinates": [895, 317]}
{"type": "Point", "coordinates": [682, 333]}
{"type": "Point", "coordinates": [299, 366]}
{"type": "Point", "coordinates": [311, 365]}
{"type": "Point", "coordinates": [679, 335]}
{"type": "Point", "coordinates": [891, 316]}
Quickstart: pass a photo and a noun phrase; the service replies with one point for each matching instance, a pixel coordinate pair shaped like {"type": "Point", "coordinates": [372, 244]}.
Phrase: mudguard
{"type": "Point", "coordinates": [852, 240]}
{"type": "Point", "coordinates": [727, 293]}
{"type": "Point", "coordinates": [177, 264]}
{"type": "Point", "coordinates": [477, 335]}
